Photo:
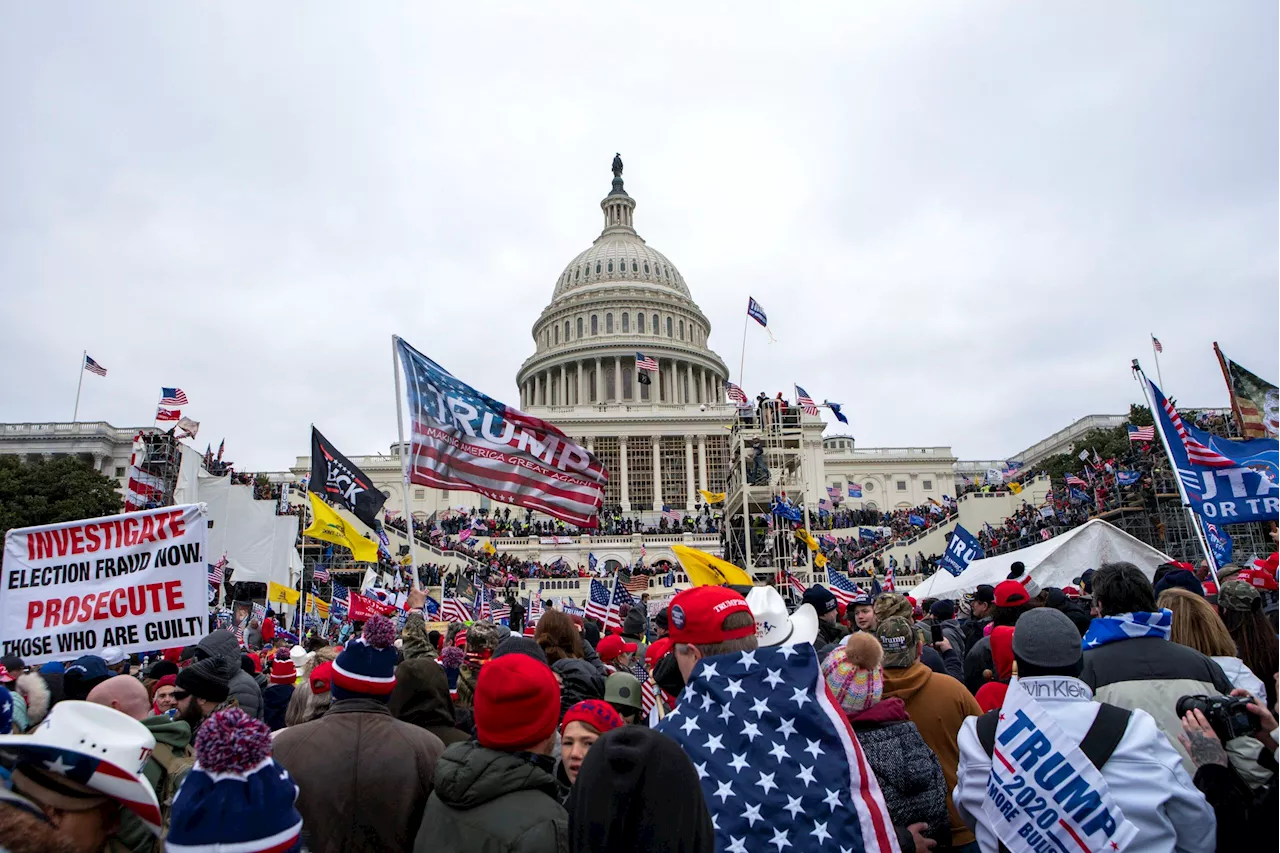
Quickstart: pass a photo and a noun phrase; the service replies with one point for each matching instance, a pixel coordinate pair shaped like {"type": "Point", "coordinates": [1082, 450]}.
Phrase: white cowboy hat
{"type": "Point", "coordinates": [774, 627]}
{"type": "Point", "coordinates": [95, 747]}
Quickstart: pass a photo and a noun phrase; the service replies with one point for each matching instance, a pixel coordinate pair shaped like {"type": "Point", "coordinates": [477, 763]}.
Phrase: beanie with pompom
{"type": "Point", "coordinates": [282, 669]}
{"type": "Point", "coordinates": [237, 797]}
{"type": "Point", "coordinates": [366, 668]}
{"type": "Point", "coordinates": [854, 672]}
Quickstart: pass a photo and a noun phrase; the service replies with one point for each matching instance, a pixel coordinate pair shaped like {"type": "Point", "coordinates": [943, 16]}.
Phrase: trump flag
{"type": "Point", "coordinates": [463, 439]}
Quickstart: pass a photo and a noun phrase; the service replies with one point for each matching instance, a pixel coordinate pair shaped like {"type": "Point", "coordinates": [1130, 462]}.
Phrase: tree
{"type": "Point", "coordinates": [64, 488]}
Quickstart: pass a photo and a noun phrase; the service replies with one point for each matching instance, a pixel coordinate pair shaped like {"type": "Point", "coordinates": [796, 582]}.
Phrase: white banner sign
{"type": "Point", "coordinates": [136, 581]}
{"type": "Point", "coordinates": [1043, 792]}
{"type": "Point", "coordinates": [556, 540]}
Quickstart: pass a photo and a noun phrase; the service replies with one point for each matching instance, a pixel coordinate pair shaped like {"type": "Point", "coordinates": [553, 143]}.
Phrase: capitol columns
{"type": "Point", "coordinates": [582, 385]}
{"type": "Point", "coordinates": [537, 388]}
{"type": "Point", "coordinates": [692, 397]}
{"type": "Point", "coordinates": [564, 384]}
{"type": "Point", "coordinates": [599, 382]}
{"type": "Point", "coordinates": [702, 463]}
{"type": "Point", "coordinates": [688, 471]}
{"type": "Point", "coordinates": [622, 470]}
{"type": "Point", "coordinates": [617, 379]}
{"type": "Point", "coordinates": [656, 444]}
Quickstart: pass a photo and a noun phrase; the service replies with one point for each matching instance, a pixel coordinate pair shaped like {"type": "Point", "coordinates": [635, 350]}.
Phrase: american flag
{"type": "Point", "coordinates": [833, 492]}
{"type": "Point", "coordinates": [455, 610]}
{"type": "Point", "coordinates": [634, 583]}
{"type": "Point", "coordinates": [671, 514]}
{"type": "Point", "coordinates": [1155, 342]}
{"type": "Point", "coordinates": [823, 503]}
{"type": "Point", "coordinates": [736, 394]}
{"type": "Point", "coordinates": [172, 397]}
{"type": "Point", "coordinates": [320, 574]}
{"type": "Point", "coordinates": [483, 599]}
{"type": "Point", "coordinates": [93, 366]}
{"type": "Point", "coordinates": [168, 414]}
{"type": "Point", "coordinates": [645, 362]}
{"type": "Point", "coordinates": [648, 696]}
{"type": "Point", "coordinates": [790, 760]}
{"type": "Point", "coordinates": [598, 602]}
{"type": "Point", "coordinates": [532, 613]}
{"type": "Point", "coordinates": [888, 579]}
{"type": "Point", "coordinates": [503, 453]}
{"type": "Point", "coordinates": [806, 402]}
{"type": "Point", "coordinates": [217, 571]}
{"type": "Point", "coordinates": [1197, 452]}
{"type": "Point", "coordinates": [792, 581]}
{"type": "Point", "coordinates": [500, 611]}
{"type": "Point", "coordinates": [620, 597]}
{"type": "Point", "coordinates": [239, 632]}
{"type": "Point", "coordinates": [465, 535]}
{"type": "Point", "coordinates": [1137, 433]}
{"type": "Point", "coordinates": [1073, 480]}
{"type": "Point", "coordinates": [841, 587]}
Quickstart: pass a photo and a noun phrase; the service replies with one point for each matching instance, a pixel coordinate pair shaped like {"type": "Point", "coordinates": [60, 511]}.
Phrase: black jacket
{"type": "Point", "coordinates": [487, 801]}
{"type": "Point", "coordinates": [1246, 818]}
{"type": "Point", "coordinates": [579, 680]}
{"type": "Point", "coordinates": [275, 701]}
{"type": "Point", "coordinates": [830, 632]}
{"type": "Point", "coordinates": [421, 698]}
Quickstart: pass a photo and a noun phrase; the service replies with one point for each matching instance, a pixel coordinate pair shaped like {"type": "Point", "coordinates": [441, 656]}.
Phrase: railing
{"type": "Point", "coordinates": [87, 429]}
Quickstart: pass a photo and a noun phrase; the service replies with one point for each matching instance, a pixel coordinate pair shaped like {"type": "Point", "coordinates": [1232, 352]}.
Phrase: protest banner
{"type": "Point", "coordinates": [136, 581]}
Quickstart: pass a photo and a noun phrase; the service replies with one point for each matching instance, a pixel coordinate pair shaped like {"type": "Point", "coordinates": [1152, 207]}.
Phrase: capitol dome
{"type": "Point", "coordinates": [617, 299]}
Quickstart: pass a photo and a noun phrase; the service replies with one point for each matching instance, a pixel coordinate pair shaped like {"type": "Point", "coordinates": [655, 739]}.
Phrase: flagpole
{"type": "Point", "coordinates": [85, 354]}
{"type": "Point", "coordinates": [742, 360]}
{"type": "Point", "coordinates": [1156, 355]}
{"type": "Point", "coordinates": [1177, 478]}
{"type": "Point", "coordinates": [404, 461]}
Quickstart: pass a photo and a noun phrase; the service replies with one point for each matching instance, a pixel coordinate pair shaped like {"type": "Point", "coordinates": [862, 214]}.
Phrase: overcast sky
{"type": "Point", "coordinates": [963, 219]}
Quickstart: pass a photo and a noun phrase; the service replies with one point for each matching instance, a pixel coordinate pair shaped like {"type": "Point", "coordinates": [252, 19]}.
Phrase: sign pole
{"type": "Point", "coordinates": [404, 461]}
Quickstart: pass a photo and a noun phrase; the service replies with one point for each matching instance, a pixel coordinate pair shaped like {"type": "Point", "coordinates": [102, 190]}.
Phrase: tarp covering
{"type": "Point", "coordinates": [1054, 562]}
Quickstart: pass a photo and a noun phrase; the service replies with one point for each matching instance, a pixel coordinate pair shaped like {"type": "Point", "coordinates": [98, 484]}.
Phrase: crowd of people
{"type": "Point", "coordinates": [563, 736]}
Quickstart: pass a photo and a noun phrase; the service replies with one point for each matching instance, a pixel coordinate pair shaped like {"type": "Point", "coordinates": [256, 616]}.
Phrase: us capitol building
{"type": "Point", "coordinates": [661, 441]}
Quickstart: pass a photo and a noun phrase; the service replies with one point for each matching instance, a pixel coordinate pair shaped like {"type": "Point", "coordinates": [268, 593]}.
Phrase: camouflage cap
{"type": "Point", "coordinates": [897, 635]}
{"type": "Point", "coordinates": [892, 604]}
{"type": "Point", "coordinates": [1227, 572]}
{"type": "Point", "coordinates": [1237, 595]}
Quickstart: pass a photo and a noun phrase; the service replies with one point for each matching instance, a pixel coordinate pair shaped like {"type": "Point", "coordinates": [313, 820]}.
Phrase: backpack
{"type": "Point", "coordinates": [1097, 745]}
{"type": "Point", "coordinates": [174, 767]}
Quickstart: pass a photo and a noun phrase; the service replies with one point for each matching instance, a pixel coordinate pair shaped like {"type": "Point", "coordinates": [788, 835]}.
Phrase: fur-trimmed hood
{"type": "Point", "coordinates": [36, 693]}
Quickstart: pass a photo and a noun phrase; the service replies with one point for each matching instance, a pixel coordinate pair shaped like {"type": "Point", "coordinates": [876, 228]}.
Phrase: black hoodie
{"type": "Point", "coordinates": [638, 791]}
{"type": "Point", "coordinates": [579, 680]}
{"type": "Point", "coordinates": [421, 698]}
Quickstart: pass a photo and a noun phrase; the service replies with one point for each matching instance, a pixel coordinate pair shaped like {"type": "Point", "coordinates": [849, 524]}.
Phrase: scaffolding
{"type": "Point", "coordinates": [157, 457]}
{"type": "Point", "coordinates": [766, 464]}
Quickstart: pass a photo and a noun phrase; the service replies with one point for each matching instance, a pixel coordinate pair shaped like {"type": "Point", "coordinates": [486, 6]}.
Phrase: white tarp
{"type": "Point", "coordinates": [1054, 562]}
{"type": "Point", "coordinates": [260, 545]}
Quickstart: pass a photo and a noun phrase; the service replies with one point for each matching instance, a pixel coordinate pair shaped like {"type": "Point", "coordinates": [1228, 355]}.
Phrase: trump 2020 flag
{"type": "Point", "coordinates": [779, 765]}
{"type": "Point", "coordinates": [962, 550]}
{"type": "Point", "coordinates": [463, 439]}
{"type": "Point", "coordinates": [339, 481]}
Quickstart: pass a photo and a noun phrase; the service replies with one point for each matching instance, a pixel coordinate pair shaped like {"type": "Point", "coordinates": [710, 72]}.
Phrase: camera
{"type": "Point", "coordinates": [1229, 716]}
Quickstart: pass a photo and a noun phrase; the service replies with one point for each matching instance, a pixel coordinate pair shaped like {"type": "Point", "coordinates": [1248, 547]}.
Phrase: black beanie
{"type": "Point", "coordinates": [638, 791]}
{"type": "Point", "coordinates": [161, 668]}
{"type": "Point", "coordinates": [207, 679]}
{"type": "Point", "coordinates": [516, 645]}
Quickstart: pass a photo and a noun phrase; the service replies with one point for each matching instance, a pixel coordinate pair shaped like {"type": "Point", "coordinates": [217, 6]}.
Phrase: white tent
{"type": "Point", "coordinates": [1054, 562]}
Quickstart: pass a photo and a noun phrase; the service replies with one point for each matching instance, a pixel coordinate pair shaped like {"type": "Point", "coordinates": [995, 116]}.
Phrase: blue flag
{"type": "Point", "coordinates": [915, 520]}
{"type": "Point", "coordinates": [756, 312]}
{"type": "Point", "coordinates": [1220, 544]}
{"type": "Point", "coordinates": [591, 562]}
{"type": "Point", "coordinates": [777, 761]}
{"type": "Point", "coordinates": [962, 550]}
{"type": "Point", "coordinates": [669, 579]}
{"type": "Point", "coordinates": [433, 606]}
{"type": "Point", "coordinates": [1128, 478]}
{"type": "Point", "coordinates": [866, 533]}
{"type": "Point", "coordinates": [855, 490]}
{"type": "Point", "coordinates": [1080, 497]}
{"type": "Point", "coordinates": [1227, 482]}
{"type": "Point", "coordinates": [835, 410]}
{"type": "Point", "coordinates": [786, 510]}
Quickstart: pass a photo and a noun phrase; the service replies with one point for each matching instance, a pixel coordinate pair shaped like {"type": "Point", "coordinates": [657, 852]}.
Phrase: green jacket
{"type": "Point", "coordinates": [176, 736]}
{"type": "Point", "coordinates": [492, 802]}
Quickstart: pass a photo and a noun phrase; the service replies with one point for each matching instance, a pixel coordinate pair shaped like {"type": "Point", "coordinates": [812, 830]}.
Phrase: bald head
{"type": "Point", "coordinates": [124, 693]}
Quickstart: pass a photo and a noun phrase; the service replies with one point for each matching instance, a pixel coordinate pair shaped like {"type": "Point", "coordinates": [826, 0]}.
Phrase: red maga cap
{"type": "Point", "coordinates": [695, 615]}
{"type": "Point", "coordinates": [1011, 594]}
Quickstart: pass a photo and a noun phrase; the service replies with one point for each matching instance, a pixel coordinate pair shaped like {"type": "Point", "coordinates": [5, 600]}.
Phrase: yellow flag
{"type": "Point", "coordinates": [319, 607]}
{"type": "Point", "coordinates": [820, 560]}
{"type": "Point", "coordinates": [330, 527]}
{"type": "Point", "coordinates": [281, 594]}
{"type": "Point", "coordinates": [712, 497]}
{"type": "Point", "coordinates": [1016, 488]}
{"type": "Point", "coordinates": [805, 537]}
{"type": "Point", "coordinates": [489, 549]}
{"type": "Point", "coordinates": [706, 570]}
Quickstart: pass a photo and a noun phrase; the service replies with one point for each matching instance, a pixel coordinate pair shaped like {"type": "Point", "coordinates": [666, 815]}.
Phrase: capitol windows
{"type": "Point", "coordinates": [655, 324]}
{"type": "Point", "coordinates": [640, 322]}
{"type": "Point", "coordinates": [566, 331]}
{"type": "Point", "coordinates": [610, 266]}
{"type": "Point", "coordinates": [597, 268]}
{"type": "Point", "coordinates": [682, 330]}
{"type": "Point", "coordinates": [902, 485]}
{"type": "Point", "coordinates": [576, 273]}
{"type": "Point", "coordinates": [634, 267]}
{"type": "Point", "coordinates": [927, 484]}
{"type": "Point", "coordinates": [608, 324]}
{"type": "Point", "coordinates": [646, 267]}
{"type": "Point", "coordinates": [579, 327]}
{"type": "Point", "coordinates": [626, 322]}
{"type": "Point", "coordinates": [669, 335]}
{"type": "Point", "coordinates": [595, 324]}
{"type": "Point", "coordinates": [557, 330]}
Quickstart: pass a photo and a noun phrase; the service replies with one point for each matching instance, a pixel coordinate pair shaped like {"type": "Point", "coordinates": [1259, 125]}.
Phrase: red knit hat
{"type": "Point", "coordinates": [596, 713]}
{"type": "Point", "coordinates": [282, 669]}
{"type": "Point", "coordinates": [1011, 594]}
{"type": "Point", "coordinates": [516, 703]}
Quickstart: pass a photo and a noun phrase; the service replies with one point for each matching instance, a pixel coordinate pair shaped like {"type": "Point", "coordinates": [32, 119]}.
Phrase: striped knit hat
{"type": "Point", "coordinates": [854, 673]}
{"type": "Point", "coordinates": [366, 668]}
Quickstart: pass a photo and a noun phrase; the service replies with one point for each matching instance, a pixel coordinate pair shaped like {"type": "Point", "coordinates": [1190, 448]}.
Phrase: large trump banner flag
{"type": "Point", "coordinates": [463, 439]}
{"type": "Point", "coordinates": [136, 581]}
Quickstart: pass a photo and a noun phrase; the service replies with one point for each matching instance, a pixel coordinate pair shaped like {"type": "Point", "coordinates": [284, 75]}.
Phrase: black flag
{"type": "Point", "coordinates": [642, 376]}
{"type": "Point", "coordinates": [335, 479]}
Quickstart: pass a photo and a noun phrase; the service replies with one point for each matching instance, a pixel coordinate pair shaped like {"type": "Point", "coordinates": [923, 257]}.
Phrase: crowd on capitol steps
{"type": "Point", "coordinates": [1133, 710]}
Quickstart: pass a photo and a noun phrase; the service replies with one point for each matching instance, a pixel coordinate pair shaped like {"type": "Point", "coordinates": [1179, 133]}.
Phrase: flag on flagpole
{"type": "Point", "coordinates": [644, 362]}
{"type": "Point", "coordinates": [327, 525]}
{"type": "Point", "coordinates": [1155, 342]}
{"type": "Point", "coordinates": [1137, 433]}
{"type": "Point", "coordinates": [172, 397]}
{"type": "Point", "coordinates": [806, 402]}
{"type": "Point", "coordinates": [169, 414]}
{"type": "Point", "coordinates": [756, 312]}
{"type": "Point", "coordinates": [835, 410]}
{"type": "Point", "coordinates": [736, 395]}
{"type": "Point", "coordinates": [598, 601]}
{"type": "Point", "coordinates": [93, 367]}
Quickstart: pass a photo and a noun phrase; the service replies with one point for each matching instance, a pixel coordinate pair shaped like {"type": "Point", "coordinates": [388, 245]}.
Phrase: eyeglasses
{"type": "Point", "coordinates": [179, 695]}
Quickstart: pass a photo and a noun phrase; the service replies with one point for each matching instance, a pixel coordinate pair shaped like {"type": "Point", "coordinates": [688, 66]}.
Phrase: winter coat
{"type": "Point", "coordinates": [948, 663]}
{"type": "Point", "coordinates": [909, 774]}
{"type": "Point", "coordinates": [1149, 786]}
{"type": "Point", "coordinates": [830, 633]}
{"type": "Point", "coordinates": [1153, 673]}
{"type": "Point", "coordinates": [31, 701]}
{"type": "Point", "coordinates": [421, 698]}
{"type": "Point", "coordinates": [414, 640]}
{"type": "Point", "coordinates": [579, 680]}
{"type": "Point", "coordinates": [976, 662]}
{"type": "Point", "coordinates": [974, 630]}
{"type": "Point", "coordinates": [363, 777]}
{"type": "Point", "coordinates": [592, 657]}
{"type": "Point", "coordinates": [487, 801]}
{"type": "Point", "coordinates": [1241, 676]}
{"type": "Point", "coordinates": [222, 644]}
{"type": "Point", "coordinates": [275, 701]}
{"type": "Point", "coordinates": [173, 739]}
{"type": "Point", "coordinates": [953, 633]}
{"type": "Point", "coordinates": [938, 705]}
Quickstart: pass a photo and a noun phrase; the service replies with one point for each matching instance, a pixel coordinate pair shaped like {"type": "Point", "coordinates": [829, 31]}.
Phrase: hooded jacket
{"type": "Point", "coordinates": [638, 791]}
{"type": "Point", "coordinates": [414, 640]}
{"type": "Point", "coordinates": [132, 833]}
{"type": "Point", "coordinates": [991, 695]}
{"type": "Point", "coordinates": [421, 698]}
{"type": "Point", "coordinates": [222, 644]}
{"type": "Point", "coordinates": [953, 632]}
{"type": "Point", "coordinates": [487, 801]}
{"type": "Point", "coordinates": [579, 680]}
{"type": "Point", "coordinates": [909, 774]}
{"type": "Point", "coordinates": [938, 705]}
{"type": "Point", "coordinates": [1147, 782]}
{"type": "Point", "coordinates": [275, 701]}
{"type": "Point", "coordinates": [363, 777]}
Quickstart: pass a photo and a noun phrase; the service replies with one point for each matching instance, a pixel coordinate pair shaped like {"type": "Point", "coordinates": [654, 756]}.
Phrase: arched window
{"type": "Point", "coordinates": [595, 324]}
{"type": "Point", "coordinates": [682, 330]}
{"type": "Point", "coordinates": [657, 330]}
{"type": "Point", "coordinates": [579, 327]}
{"type": "Point", "coordinates": [626, 322]}
{"type": "Point", "coordinates": [566, 331]}
{"type": "Point", "coordinates": [640, 323]}
{"type": "Point", "coordinates": [608, 324]}
{"type": "Point", "coordinates": [610, 266]}
{"type": "Point", "coordinates": [646, 267]}
{"type": "Point", "coordinates": [597, 268]}
{"type": "Point", "coordinates": [669, 335]}
{"type": "Point", "coordinates": [557, 330]}
{"type": "Point", "coordinates": [635, 267]}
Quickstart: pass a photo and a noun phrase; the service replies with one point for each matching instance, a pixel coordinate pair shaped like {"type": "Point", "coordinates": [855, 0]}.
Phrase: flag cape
{"type": "Point", "coordinates": [705, 570]}
{"type": "Point", "coordinates": [463, 439]}
{"type": "Point", "coordinates": [339, 481]}
{"type": "Point", "coordinates": [329, 526]}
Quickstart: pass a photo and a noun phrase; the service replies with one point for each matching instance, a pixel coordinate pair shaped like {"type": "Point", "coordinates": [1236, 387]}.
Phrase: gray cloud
{"type": "Point", "coordinates": [963, 223]}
